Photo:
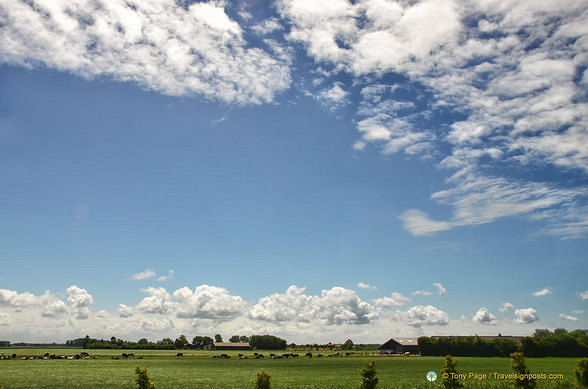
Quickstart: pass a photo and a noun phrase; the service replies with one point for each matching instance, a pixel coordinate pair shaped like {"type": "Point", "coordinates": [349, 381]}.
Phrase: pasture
{"type": "Point", "coordinates": [196, 369]}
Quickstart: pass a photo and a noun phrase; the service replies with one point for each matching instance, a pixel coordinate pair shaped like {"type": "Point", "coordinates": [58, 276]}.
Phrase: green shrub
{"type": "Point", "coordinates": [262, 380]}
{"type": "Point", "coordinates": [143, 381]}
{"type": "Point", "coordinates": [449, 374]}
{"type": "Point", "coordinates": [368, 374]}
{"type": "Point", "coordinates": [517, 363]}
{"type": "Point", "coordinates": [582, 372]}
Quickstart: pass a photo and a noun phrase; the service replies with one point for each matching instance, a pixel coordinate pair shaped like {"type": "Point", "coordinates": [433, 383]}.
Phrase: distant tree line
{"type": "Point", "coordinates": [467, 346]}
{"type": "Point", "coordinates": [114, 343]}
{"type": "Point", "coordinates": [559, 343]}
{"type": "Point", "coordinates": [543, 343]}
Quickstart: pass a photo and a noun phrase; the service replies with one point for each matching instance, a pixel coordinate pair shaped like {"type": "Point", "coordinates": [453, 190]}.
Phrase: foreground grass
{"type": "Point", "coordinates": [197, 370]}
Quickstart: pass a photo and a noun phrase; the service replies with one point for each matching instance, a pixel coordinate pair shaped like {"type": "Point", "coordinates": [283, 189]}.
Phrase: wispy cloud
{"type": "Point", "coordinates": [143, 275]}
{"type": "Point", "coordinates": [396, 299]}
{"type": "Point", "coordinates": [362, 285]}
{"type": "Point", "coordinates": [567, 317]}
{"type": "Point", "coordinates": [505, 307]}
{"type": "Point", "coordinates": [583, 295]}
{"type": "Point", "coordinates": [169, 276]}
{"type": "Point", "coordinates": [542, 292]}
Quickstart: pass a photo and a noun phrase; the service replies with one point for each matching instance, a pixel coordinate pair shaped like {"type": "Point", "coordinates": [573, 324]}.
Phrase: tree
{"type": "Point", "coordinates": [348, 345]}
{"type": "Point", "coordinates": [143, 380]}
{"type": "Point", "coordinates": [517, 363]}
{"type": "Point", "coordinates": [202, 341]}
{"type": "Point", "coordinates": [166, 341]}
{"type": "Point", "coordinates": [541, 333]}
{"type": "Point", "coordinates": [262, 380]}
{"type": "Point", "coordinates": [218, 338]}
{"type": "Point", "coordinates": [178, 343]}
{"type": "Point", "coordinates": [368, 374]}
{"type": "Point", "coordinates": [244, 339]}
{"type": "Point", "coordinates": [183, 339]}
{"type": "Point", "coordinates": [267, 342]}
{"type": "Point", "coordinates": [582, 372]}
{"type": "Point", "coordinates": [449, 376]}
{"type": "Point", "coordinates": [234, 339]}
{"type": "Point", "coordinates": [143, 341]}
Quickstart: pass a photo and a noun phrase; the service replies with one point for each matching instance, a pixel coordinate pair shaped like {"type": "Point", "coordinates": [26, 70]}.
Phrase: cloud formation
{"type": "Point", "coordinates": [420, 315]}
{"type": "Point", "coordinates": [483, 316]}
{"type": "Point", "coordinates": [526, 315]}
{"type": "Point", "coordinates": [542, 292]}
{"type": "Point", "coordinates": [159, 45]}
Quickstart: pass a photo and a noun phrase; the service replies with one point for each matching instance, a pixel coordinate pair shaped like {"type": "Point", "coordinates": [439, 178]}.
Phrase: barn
{"type": "Point", "coordinates": [400, 346]}
{"type": "Point", "coordinates": [231, 346]}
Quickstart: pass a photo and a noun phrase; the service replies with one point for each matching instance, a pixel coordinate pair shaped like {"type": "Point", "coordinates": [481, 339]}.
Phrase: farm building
{"type": "Point", "coordinates": [231, 346]}
{"type": "Point", "coordinates": [400, 346]}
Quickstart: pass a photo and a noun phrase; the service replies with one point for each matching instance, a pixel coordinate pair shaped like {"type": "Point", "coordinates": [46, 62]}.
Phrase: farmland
{"type": "Point", "coordinates": [196, 369]}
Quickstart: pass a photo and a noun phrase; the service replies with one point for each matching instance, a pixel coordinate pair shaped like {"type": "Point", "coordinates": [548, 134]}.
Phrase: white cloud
{"type": "Point", "coordinates": [158, 301]}
{"type": "Point", "coordinates": [568, 317]}
{"type": "Point", "coordinates": [518, 94]}
{"type": "Point", "coordinates": [506, 306]}
{"type": "Point", "coordinates": [334, 306]}
{"type": "Point", "coordinates": [80, 300]}
{"type": "Point", "coordinates": [334, 97]}
{"type": "Point", "coordinates": [124, 311]}
{"type": "Point", "coordinates": [4, 319]}
{"type": "Point", "coordinates": [362, 285]}
{"type": "Point", "coordinates": [583, 295]}
{"type": "Point", "coordinates": [159, 45]}
{"type": "Point", "coordinates": [143, 275]}
{"type": "Point", "coordinates": [526, 315]}
{"type": "Point", "coordinates": [396, 299]}
{"type": "Point", "coordinates": [440, 289]}
{"type": "Point", "coordinates": [578, 312]}
{"type": "Point", "coordinates": [542, 292]}
{"type": "Point", "coordinates": [483, 316]}
{"type": "Point", "coordinates": [169, 276]}
{"type": "Point", "coordinates": [268, 26]}
{"type": "Point", "coordinates": [54, 308]}
{"type": "Point", "coordinates": [420, 315]}
{"type": "Point", "coordinates": [422, 293]}
{"type": "Point", "coordinates": [208, 302]}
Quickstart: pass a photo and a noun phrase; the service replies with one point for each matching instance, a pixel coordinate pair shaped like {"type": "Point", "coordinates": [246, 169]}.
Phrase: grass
{"type": "Point", "coordinates": [197, 370]}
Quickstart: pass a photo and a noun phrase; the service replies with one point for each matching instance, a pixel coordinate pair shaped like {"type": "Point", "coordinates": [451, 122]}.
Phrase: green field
{"type": "Point", "coordinates": [196, 369]}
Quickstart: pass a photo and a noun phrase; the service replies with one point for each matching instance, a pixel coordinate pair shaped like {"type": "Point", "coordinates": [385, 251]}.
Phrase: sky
{"type": "Point", "coordinates": [319, 170]}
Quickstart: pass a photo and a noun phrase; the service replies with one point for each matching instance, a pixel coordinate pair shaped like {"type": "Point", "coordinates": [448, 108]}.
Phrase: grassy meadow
{"type": "Point", "coordinates": [196, 369]}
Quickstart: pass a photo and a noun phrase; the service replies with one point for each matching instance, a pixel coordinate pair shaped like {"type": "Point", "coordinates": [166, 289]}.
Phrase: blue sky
{"type": "Point", "coordinates": [318, 170]}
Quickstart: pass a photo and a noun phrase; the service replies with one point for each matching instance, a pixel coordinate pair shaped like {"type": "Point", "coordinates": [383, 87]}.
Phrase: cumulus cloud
{"type": "Point", "coordinates": [526, 315]}
{"type": "Point", "coordinates": [124, 310]}
{"type": "Point", "coordinates": [396, 299]}
{"type": "Point", "coordinates": [420, 315]}
{"type": "Point", "coordinates": [568, 317]}
{"type": "Point", "coordinates": [143, 275]}
{"type": "Point", "coordinates": [483, 316]}
{"type": "Point", "coordinates": [208, 302]}
{"type": "Point", "coordinates": [542, 292]}
{"type": "Point", "coordinates": [80, 300]}
{"type": "Point", "coordinates": [506, 306]}
{"type": "Point", "coordinates": [159, 45]}
{"type": "Point", "coordinates": [334, 306]}
{"type": "Point", "coordinates": [158, 301]}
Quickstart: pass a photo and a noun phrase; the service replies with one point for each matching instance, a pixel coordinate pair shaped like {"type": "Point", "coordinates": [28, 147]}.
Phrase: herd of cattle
{"type": "Point", "coordinates": [86, 355]}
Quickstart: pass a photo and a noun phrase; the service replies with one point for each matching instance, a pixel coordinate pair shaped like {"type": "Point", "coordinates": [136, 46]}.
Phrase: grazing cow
{"type": "Point", "coordinates": [179, 355]}
{"type": "Point", "coordinates": [125, 355]}
{"type": "Point", "coordinates": [277, 357]}
{"type": "Point", "coordinates": [116, 358]}
{"type": "Point", "coordinates": [319, 355]}
{"type": "Point", "coordinates": [139, 357]}
{"type": "Point", "coordinates": [224, 356]}
{"type": "Point", "coordinates": [308, 355]}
